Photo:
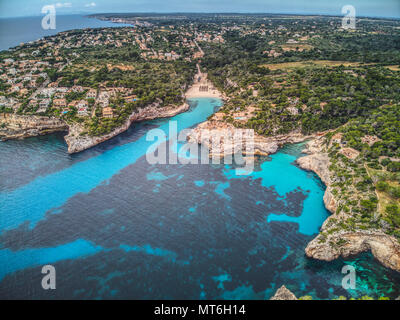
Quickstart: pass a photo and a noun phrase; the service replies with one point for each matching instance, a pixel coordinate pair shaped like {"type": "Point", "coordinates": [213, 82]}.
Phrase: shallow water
{"type": "Point", "coordinates": [115, 226]}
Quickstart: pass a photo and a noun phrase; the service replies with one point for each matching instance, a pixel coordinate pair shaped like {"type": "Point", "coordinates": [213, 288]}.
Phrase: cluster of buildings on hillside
{"type": "Point", "coordinates": [20, 78]}
{"type": "Point", "coordinates": [146, 45]}
{"type": "Point", "coordinates": [90, 38]}
{"type": "Point", "coordinates": [25, 82]}
{"type": "Point", "coordinates": [187, 39]}
{"type": "Point", "coordinates": [92, 98]}
{"type": "Point", "coordinates": [25, 77]}
{"type": "Point", "coordinates": [22, 75]}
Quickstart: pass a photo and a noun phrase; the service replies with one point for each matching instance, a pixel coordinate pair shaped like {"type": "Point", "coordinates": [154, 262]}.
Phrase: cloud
{"type": "Point", "coordinates": [63, 5]}
{"type": "Point", "coordinates": [92, 4]}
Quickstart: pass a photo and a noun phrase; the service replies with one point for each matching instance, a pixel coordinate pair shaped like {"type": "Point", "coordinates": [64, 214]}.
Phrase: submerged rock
{"type": "Point", "coordinates": [284, 293]}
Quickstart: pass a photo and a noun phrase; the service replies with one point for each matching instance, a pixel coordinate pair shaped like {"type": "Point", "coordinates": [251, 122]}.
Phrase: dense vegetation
{"type": "Point", "coordinates": [323, 98]}
{"type": "Point", "coordinates": [281, 75]}
{"type": "Point", "coordinates": [161, 83]}
{"type": "Point", "coordinates": [101, 59]}
{"type": "Point", "coordinates": [347, 83]}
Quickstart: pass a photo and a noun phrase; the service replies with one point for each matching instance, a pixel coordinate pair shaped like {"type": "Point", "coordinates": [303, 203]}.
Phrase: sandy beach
{"type": "Point", "coordinates": [202, 88]}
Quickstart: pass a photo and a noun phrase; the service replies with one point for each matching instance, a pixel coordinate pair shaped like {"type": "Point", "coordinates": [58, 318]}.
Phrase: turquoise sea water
{"type": "Point", "coordinates": [115, 226]}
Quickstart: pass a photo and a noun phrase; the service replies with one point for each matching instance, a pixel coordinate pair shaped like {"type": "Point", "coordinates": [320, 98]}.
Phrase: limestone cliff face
{"type": "Point", "coordinates": [330, 201]}
{"type": "Point", "coordinates": [77, 142]}
{"type": "Point", "coordinates": [18, 127]}
{"type": "Point", "coordinates": [14, 126]}
{"type": "Point", "coordinates": [318, 162]}
{"type": "Point", "coordinates": [343, 243]}
{"type": "Point", "coordinates": [385, 248]}
{"type": "Point", "coordinates": [283, 293]}
{"type": "Point", "coordinates": [230, 144]}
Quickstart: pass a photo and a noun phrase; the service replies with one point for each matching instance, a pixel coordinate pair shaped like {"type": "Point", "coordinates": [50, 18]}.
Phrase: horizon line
{"type": "Point", "coordinates": [198, 12]}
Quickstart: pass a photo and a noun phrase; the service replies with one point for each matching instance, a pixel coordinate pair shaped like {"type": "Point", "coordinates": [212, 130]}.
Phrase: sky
{"type": "Point", "coordinates": [373, 8]}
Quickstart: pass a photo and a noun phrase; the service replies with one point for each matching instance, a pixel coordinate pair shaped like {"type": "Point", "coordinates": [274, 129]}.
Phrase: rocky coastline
{"type": "Point", "coordinates": [14, 126]}
{"type": "Point", "coordinates": [77, 142]}
{"type": "Point", "coordinates": [384, 248]}
{"type": "Point", "coordinates": [263, 146]}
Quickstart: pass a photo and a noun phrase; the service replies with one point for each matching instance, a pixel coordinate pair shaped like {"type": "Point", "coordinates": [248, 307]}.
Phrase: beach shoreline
{"type": "Point", "coordinates": [202, 87]}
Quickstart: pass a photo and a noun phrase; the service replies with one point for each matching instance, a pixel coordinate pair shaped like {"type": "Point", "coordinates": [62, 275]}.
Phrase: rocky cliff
{"type": "Point", "coordinates": [318, 162]}
{"type": "Point", "coordinates": [385, 248]}
{"type": "Point", "coordinates": [329, 246]}
{"type": "Point", "coordinates": [77, 142]}
{"type": "Point", "coordinates": [18, 127]}
{"type": "Point", "coordinates": [14, 126]}
{"type": "Point", "coordinates": [206, 132]}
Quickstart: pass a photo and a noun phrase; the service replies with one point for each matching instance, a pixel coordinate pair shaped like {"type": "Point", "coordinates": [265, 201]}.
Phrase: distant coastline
{"type": "Point", "coordinates": [17, 30]}
{"type": "Point", "coordinates": [14, 31]}
{"type": "Point", "coordinates": [107, 16]}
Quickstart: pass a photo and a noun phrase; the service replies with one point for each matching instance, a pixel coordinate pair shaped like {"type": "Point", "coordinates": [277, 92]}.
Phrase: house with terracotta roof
{"type": "Point", "coordinates": [108, 112]}
{"type": "Point", "coordinates": [72, 104]}
{"type": "Point", "coordinates": [59, 103]}
{"type": "Point", "coordinates": [91, 94]}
